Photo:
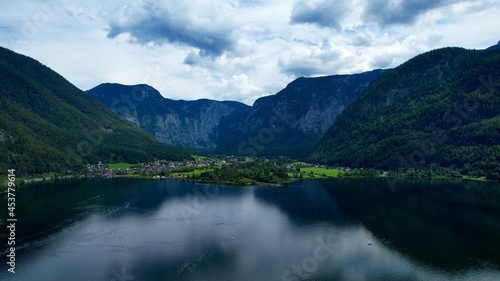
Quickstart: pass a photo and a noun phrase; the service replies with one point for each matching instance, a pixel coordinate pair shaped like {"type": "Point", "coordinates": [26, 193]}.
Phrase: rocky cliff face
{"type": "Point", "coordinates": [306, 108]}
{"type": "Point", "coordinates": [181, 123]}
{"type": "Point", "coordinates": [313, 102]}
{"type": "Point", "coordinates": [296, 116]}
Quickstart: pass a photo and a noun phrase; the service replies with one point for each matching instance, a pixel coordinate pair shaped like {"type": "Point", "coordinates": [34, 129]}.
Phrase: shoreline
{"type": "Point", "coordinates": [24, 181]}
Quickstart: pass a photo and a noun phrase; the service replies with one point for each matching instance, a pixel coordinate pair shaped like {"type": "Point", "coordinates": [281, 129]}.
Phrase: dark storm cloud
{"type": "Point", "coordinates": [326, 13]}
{"type": "Point", "coordinates": [161, 27]}
{"type": "Point", "coordinates": [386, 12]}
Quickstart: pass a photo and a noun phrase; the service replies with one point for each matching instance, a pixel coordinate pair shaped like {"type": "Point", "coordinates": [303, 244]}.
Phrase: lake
{"type": "Point", "coordinates": [329, 229]}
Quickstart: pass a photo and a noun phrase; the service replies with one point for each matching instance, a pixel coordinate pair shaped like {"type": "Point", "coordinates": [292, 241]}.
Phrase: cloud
{"type": "Point", "coordinates": [193, 59]}
{"type": "Point", "coordinates": [326, 13]}
{"type": "Point", "coordinates": [306, 61]}
{"type": "Point", "coordinates": [236, 49]}
{"type": "Point", "coordinates": [298, 67]}
{"type": "Point", "coordinates": [389, 12]}
{"type": "Point", "coordinates": [183, 24]}
{"type": "Point", "coordinates": [362, 40]}
{"type": "Point", "coordinates": [239, 88]}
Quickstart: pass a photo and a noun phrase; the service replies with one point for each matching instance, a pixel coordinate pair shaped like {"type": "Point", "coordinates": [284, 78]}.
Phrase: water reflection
{"type": "Point", "coordinates": [358, 229]}
{"type": "Point", "coordinates": [450, 225]}
{"type": "Point", "coordinates": [304, 202]}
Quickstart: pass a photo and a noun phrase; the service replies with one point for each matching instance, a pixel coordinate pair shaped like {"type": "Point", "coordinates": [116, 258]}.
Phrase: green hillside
{"type": "Point", "coordinates": [440, 108]}
{"type": "Point", "coordinates": [47, 124]}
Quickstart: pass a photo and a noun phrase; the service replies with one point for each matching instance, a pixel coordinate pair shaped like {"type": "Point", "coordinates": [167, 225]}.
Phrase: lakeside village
{"type": "Point", "coordinates": [158, 168]}
{"type": "Point", "coordinates": [163, 169]}
{"type": "Point", "coordinates": [241, 170]}
{"type": "Point", "coordinates": [222, 169]}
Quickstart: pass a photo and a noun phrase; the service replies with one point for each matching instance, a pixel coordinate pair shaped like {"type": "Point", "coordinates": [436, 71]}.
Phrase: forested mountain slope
{"type": "Point", "coordinates": [47, 124]}
{"type": "Point", "coordinates": [439, 108]}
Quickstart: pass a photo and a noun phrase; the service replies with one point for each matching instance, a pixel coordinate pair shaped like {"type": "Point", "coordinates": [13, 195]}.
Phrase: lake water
{"type": "Point", "coordinates": [332, 229]}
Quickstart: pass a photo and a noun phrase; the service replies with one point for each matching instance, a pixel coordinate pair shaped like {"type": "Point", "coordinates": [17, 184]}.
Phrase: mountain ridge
{"type": "Point", "coordinates": [176, 122]}
{"type": "Point", "coordinates": [427, 111]}
{"type": "Point", "coordinates": [47, 124]}
{"type": "Point", "coordinates": [314, 102]}
{"type": "Point", "coordinates": [305, 109]}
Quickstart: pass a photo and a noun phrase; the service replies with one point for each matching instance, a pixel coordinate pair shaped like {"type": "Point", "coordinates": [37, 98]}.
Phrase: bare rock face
{"type": "Point", "coordinates": [181, 123]}
{"type": "Point", "coordinates": [314, 102]}
{"type": "Point", "coordinates": [305, 109]}
{"type": "Point", "coordinates": [307, 106]}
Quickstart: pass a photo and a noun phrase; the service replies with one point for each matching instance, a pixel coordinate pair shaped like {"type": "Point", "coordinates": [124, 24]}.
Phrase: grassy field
{"type": "Point", "coordinates": [321, 171]}
{"type": "Point", "coordinates": [473, 178]}
{"type": "Point", "coordinates": [122, 166]}
{"type": "Point", "coordinates": [195, 172]}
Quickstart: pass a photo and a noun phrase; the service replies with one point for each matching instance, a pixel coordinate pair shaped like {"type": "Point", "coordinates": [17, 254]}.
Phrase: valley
{"type": "Point", "coordinates": [443, 124]}
{"type": "Point", "coordinates": [249, 140]}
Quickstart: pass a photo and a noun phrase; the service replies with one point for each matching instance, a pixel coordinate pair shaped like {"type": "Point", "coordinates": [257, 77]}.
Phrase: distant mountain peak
{"type": "Point", "coordinates": [45, 121]}
{"type": "Point", "coordinates": [494, 47]}
{"type": "Point", "coordinates": [138, 92]}
{"type": "Point", "coordinates": [386, 127]}
{"type": "Point", "coordinates": [177, 122]}
{"type": "Point", "coordinates": [304, 109]}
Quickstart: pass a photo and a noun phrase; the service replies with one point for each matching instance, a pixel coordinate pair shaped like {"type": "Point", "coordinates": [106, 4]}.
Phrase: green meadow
{"type": "Point", "coordinates": [122, 166]}
{"type": "Point", "coordinates": [321, 171]}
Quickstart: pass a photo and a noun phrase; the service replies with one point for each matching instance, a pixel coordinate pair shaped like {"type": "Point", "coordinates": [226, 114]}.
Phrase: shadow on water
{"type": "Point", "coordinates": [117, 207]}
{"type": "Point", "coordinates": [124, 229]}
{"type": "Point", "coordinates": [43, 209]}
{"type": "Point", "coordinates": [305, 202]}
{"type": "Point", "coordinates": [446, 224]}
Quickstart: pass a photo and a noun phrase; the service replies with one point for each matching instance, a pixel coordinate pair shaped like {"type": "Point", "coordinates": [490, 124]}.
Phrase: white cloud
{"type": "Point", "coordinates": [235, 49]}
{"type": "Point", "coordinates": [238, 88]}
{"type": "Point", "coordinates": [363, 40]}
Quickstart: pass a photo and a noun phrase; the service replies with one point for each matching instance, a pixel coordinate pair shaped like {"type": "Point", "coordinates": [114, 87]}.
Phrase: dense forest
{"type": "Point", "coordinates": [440, 108]}
{"type": "Point", "coordinates": [49, 125]}
{"type": "Point", "coordinates": [259, 171]}
{"type": "Point", "coordinates": [436, 115]}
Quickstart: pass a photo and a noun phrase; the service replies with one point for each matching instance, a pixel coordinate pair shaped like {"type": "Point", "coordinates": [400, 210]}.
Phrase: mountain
{"type": "Point", "coordinates": [49, 125]}
{"type": "Point", "coordinates": [177, 122]}
{"type": "Point", "coordinates": [294, 119]}
{"type": "Point", "coordinates": [439, 108]}
{"type": "Point", "coordinates": [494, 47]}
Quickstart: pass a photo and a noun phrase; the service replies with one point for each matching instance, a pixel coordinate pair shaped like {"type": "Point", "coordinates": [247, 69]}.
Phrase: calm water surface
{"type": "Point", "coordinates": [336, 229]}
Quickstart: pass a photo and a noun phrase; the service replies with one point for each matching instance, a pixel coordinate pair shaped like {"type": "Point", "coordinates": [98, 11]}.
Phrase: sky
{"type": "Point", "coordinates": [236, 50]}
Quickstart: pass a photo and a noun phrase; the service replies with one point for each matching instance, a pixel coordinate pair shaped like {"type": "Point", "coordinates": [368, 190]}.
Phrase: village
{"type": "Point", "coordinates": [158, 168]}
{"type": "Point", "coordinates": [193, 168]}
{"type": "Point", "coordinates": [162, 169]}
